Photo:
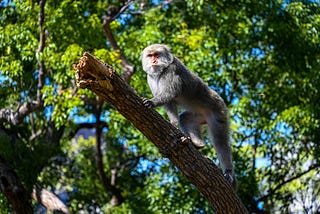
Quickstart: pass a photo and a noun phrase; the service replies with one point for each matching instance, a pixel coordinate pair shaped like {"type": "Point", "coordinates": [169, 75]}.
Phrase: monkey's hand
{"type": "Point", "coordinates": [148, 103]}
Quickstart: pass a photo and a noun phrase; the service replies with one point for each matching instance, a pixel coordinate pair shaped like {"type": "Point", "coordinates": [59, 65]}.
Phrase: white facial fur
{"type": "Point", "coordinates": [165, 58]}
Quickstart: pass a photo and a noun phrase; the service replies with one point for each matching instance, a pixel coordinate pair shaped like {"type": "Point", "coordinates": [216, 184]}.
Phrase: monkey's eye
{"type": "Point", "coordinates": [153, 55]}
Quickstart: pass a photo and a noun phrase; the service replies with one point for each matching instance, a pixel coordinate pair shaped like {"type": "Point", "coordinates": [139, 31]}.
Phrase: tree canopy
{"type": "Point", "coordinates": [261, 56]}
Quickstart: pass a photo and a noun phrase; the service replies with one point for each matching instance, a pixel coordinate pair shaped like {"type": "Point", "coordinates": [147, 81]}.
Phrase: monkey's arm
{"type": "Point", "coordinates": [158, 100]}
{"type": "Point", "coordinates": [161, 99]}
{"type": "Point", "coordinates": [171, 110]}
{"type": "Point", "coordinates": [154, 102]}
{"type": "Point", "coordinates": [168, 87]}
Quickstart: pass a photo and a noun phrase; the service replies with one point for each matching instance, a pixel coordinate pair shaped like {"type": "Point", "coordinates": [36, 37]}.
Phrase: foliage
{"type": "Point", "coordinates": [261, 56]}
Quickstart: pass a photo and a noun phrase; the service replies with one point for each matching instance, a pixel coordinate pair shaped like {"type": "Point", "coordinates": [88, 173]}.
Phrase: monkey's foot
{"type": "Point", "coordinates": [147, 103]}
{"type": "Point", "coordinates": [230, 178]}
{"type": "Point", "coordinates": [198, 143]}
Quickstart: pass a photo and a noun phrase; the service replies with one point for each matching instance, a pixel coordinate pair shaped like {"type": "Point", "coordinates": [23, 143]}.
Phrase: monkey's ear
{"type": "Point", "coordinates": [144, 51]}
{"type": "Point", "coordinates": [166, 47]}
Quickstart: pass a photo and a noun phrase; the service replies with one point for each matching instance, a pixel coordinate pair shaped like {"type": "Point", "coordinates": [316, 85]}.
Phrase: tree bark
{"type": "Point", "coordinates": [100, 78]}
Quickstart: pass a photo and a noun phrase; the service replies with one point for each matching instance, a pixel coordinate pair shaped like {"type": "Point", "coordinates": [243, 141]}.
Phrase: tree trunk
{"type": "Point", "coordinates": [100, 78]}
{"type": "Point", "coordinates": [11, 187]}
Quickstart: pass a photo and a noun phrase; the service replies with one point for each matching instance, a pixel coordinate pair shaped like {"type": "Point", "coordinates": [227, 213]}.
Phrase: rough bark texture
{"type": "Point", "coordinates": [99, 77]}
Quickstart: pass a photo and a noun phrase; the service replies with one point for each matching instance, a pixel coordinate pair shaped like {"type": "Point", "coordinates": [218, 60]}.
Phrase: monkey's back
{"type": "Point", "coordinates": [194, 93]}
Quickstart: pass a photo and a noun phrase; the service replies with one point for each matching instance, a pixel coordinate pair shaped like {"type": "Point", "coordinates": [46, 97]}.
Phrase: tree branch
{"type": "Point", "coordinates": [49, 200]}
{"type": "Point", "coordinates": [272, 191]}
{"type": "Point", "coordinates": [107, 19]}
{"type": "Point", "coordinates": [122, 9]}
{"type": "Point", "coordinates": [11, 187]}
{"type": "Point", "coordinates": [109, 186]}
{"type": "Point", "coordinates": [16, 117]}
{"type": "Point", "coordinates": [42, 43]}
{"type": "Point", "coordinates": [99, 77]}
{"type": "Point", "coordinates": [86, 126]}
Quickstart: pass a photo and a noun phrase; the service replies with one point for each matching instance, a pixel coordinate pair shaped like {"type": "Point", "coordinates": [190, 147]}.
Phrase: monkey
{"type": "Point", "coordinates": [173, 85]}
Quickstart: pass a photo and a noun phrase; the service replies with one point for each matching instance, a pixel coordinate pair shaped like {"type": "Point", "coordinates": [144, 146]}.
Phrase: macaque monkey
{"type": "Point", "coordinates": [172, 85]}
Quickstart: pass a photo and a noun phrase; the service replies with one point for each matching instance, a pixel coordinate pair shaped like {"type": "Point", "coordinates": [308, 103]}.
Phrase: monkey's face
{"type": "Point", "coordinates": [155, 58]}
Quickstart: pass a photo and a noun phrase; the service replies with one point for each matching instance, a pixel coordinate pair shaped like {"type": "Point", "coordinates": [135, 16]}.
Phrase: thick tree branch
{"type": "Point", "coordinates": [16, 117]}
{"type": "Point", "coordinates": [11, 187]}
{"type": "Point", "coordinates": [49, 200]}
{"type": "Point", "coordinates": [99, 77]}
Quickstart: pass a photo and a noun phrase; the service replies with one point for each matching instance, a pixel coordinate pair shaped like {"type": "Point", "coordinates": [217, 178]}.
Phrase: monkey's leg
{"type": "Point", "coordinates": [172, 112]}
{"type": "Point", "coordinates": [190, 125]}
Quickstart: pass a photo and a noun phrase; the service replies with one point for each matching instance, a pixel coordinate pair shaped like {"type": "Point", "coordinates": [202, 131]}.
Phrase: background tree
{"type": "Point", "coordinates": [262, 57]}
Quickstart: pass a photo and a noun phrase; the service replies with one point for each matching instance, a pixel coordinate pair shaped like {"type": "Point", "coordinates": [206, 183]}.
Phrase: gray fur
{"type": "Point", "coordinates": [172, 85]}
